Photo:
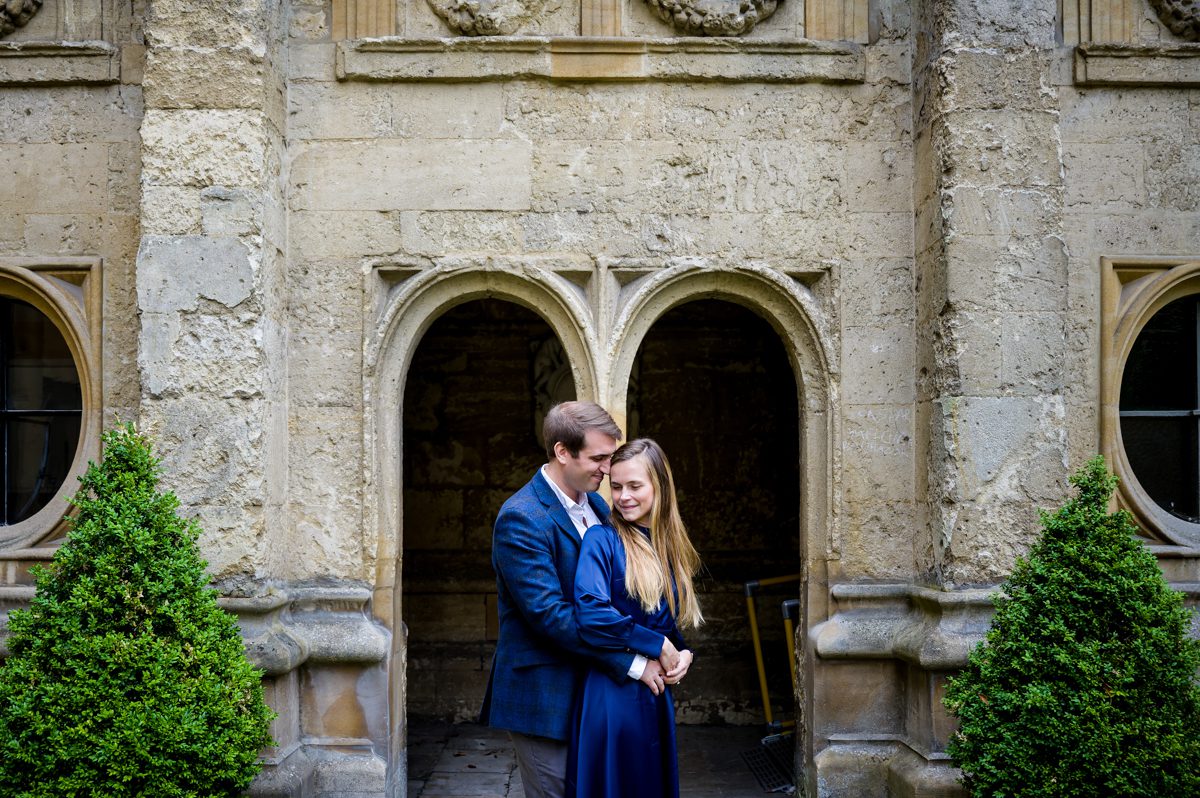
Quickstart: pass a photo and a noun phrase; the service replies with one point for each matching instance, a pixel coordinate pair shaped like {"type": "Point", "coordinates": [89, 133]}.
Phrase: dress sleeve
{"type": "Point", "coordinates": [600, 623]}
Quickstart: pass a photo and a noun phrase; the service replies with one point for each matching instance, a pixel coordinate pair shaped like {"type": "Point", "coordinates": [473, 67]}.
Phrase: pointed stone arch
{"type": "Point", "coordinates": [407, 303]}
{"type": "Point", "coordinates": [794, 313]}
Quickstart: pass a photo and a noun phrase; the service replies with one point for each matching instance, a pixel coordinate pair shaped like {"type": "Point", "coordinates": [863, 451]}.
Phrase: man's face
{"type": "Point", "coordinates": [586, 470]}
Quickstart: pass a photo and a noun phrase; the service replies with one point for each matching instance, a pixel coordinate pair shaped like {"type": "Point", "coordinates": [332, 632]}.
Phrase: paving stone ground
{"type": "Point", "coordinates": [470, 761]}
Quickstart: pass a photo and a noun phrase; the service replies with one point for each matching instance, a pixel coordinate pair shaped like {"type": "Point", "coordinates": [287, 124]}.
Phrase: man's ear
{"type": "Point", "coordinates": [561, 453]}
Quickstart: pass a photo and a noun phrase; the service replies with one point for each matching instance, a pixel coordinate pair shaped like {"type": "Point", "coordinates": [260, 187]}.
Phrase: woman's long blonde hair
{"type": "Point", "coordinates": [651, 566]}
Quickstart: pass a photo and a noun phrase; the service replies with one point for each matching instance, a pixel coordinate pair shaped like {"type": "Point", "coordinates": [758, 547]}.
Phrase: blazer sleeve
{"type": "Point", "coordinates": [525, 562]}
{"type": "Point", "coordinates": [600, 623]}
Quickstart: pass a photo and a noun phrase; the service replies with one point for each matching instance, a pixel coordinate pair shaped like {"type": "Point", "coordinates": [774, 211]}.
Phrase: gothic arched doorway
{"type": "Point", "coordinates": [479, 382]}
{"type": "Point", "coordinates": [712, 383]}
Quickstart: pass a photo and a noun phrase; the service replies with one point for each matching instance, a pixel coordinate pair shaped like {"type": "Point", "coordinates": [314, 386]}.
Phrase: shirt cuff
{"type": "Point", "coordinates": [638, 667]}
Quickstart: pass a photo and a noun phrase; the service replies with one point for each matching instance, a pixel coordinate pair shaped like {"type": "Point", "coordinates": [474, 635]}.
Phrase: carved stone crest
{"type": "Point", "coordinates": [15, 13]}
{"type": "Point", "coordinates": [713, 17]}
{"type": "Point", "coordinates": [1181, 16]}
{"type": "Point", "coordinates": [486, 17]}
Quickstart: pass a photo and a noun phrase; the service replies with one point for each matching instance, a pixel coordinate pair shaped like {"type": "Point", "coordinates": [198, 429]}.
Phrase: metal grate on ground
{"type": "Point", "coordinates": [771, 763]}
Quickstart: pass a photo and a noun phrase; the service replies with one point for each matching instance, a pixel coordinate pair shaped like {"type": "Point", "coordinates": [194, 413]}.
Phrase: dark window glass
{"type": "Point", "coordinates": [40, 411]}
{"type": "Point", "coordinates": [1161, 371]}
{"type": "Point", "coordinates": [1160, 408]}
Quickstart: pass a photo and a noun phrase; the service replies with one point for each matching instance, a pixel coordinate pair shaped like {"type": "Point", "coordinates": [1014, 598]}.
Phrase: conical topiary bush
{"type": "Point", "coordinates": [1086, 683]}
{"type": "Point", "coordinates": [125, 678]}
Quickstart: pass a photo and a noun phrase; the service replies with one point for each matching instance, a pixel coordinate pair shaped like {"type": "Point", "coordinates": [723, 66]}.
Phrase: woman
{"type": "Point", "coordinates": [633, 590]}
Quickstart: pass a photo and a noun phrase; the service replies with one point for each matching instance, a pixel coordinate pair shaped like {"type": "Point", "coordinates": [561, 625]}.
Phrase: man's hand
{"type": "Point", "coordinates": [653, 677]}
{"type": "Point", "coordinates": [676, 674]}
{"type": "Point", "coordinates": [669, 656]}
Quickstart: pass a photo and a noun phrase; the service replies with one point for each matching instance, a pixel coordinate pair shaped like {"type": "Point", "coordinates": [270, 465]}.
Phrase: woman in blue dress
{"type": "Point", "coordinates": [633, 591]}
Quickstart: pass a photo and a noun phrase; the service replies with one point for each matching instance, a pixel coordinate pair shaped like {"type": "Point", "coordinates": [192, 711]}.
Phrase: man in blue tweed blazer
{"type": "Point", "coordinates": [540, 657]}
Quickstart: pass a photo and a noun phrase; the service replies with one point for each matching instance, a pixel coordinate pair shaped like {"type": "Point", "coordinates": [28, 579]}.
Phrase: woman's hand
{"type": "Point", "coordinates": [669, 656]}
{"type": "Point", "coordinates": [675, 676]}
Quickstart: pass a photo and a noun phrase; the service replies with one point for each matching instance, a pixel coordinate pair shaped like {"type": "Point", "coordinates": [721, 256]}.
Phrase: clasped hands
{"type": "Point", "coordinates": [670, 668]}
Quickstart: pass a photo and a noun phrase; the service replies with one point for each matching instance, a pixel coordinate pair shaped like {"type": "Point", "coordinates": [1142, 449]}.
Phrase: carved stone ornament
{"type": "Point", "coordinates": [1181, 16]}
{"type": "Point", "coordinates": [713, 17]}
{"type": "Point", "coordinates": [15, 13]}
{"type": "Point", "coordinates": [486, 17]}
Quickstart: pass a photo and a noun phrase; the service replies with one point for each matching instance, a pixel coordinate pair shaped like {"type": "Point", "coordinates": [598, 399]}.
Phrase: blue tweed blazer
{"type": "Point", "coordinates": [540, 658]}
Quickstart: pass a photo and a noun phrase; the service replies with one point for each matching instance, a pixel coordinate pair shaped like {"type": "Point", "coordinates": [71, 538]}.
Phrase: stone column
{"type": "Point", "coordinates": [991, 284]}
{"type": "Point", "coordinates": [210, 275]}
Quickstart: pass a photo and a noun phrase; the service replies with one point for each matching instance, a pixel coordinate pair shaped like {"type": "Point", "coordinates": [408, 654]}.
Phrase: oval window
{"type": "Point", "coordinates": [41, 411]}
{"type": "Point", "coordinates": [1160, 409]}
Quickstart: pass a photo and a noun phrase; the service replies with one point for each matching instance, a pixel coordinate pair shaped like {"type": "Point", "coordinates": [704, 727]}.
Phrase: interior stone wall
{"type": "Point", "coordinates": [713, 385]}
{"type": "Point", "coordinates": [470, 412]}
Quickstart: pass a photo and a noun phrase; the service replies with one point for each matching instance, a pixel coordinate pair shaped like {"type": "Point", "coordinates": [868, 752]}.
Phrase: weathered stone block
{"type": "Point", "coordinates": [178, 272]}
{"type": "Point", "coordinates": [70, 114]}
{"type": "Point", "coordinates": [878, 452]}
{"type": "Point", "coordinates": [330, 235]}
{"type": "Point", "coordinates": [878, 177]}
{"type": "Point", "coordinates": [66, 234]}
{"type": "Point", "coordinates": [1109, 177]}
{"type": "Point", "coordinates": [1003, 148]}
{"type": "Point", "coordinates": [878, 366]}
{"type": "Point", "coordinates": [877, 543]}
{"type": "Point", "coordinates": [204, 148]}
{"type": "Point", "coordinates": [397, 175]}
{"type": "Point", "coordinates": [204, 77]}
{"type": "Point", "coordinates": [1091, 115]}
{"type": "Point", "coordinates": [238, 24]}
{"type": "Point", "coordinates": [77, 183]}
{"type": "Point", "coordinates": [320, 368]}
{"type": "Point", "coordinates": [880, 291]}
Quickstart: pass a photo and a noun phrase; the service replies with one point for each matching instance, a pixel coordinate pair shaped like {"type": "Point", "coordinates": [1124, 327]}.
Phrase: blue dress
{"type": "Point", "coordinates": [623, 736]}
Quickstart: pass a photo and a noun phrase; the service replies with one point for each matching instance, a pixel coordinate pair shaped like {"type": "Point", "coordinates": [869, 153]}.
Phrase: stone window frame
{"type": "Point", "coordinates": [69, 292]}
{"type": "Point", "coordinates": [1132, 291]}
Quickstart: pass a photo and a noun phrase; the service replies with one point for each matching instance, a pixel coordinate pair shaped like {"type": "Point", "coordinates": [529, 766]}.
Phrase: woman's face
{"type": "Point", "coordinates": [633, 494]}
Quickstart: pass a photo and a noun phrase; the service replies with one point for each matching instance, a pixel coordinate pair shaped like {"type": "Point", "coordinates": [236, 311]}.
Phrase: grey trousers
{"type": "Point", "coordinates": [543, 764]}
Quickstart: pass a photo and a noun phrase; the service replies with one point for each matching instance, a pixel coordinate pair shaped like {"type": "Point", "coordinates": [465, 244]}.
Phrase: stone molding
{"type": "Point", "coordinates": [1137, 65]}
{"type": "Point", "coordinates": [309, 625]}
{"type": "Point", "coordinates": [600, 58]}
{"type": "Point", "coordinates": [283, 630]}
{"type": "Point", "coordinates": [59, 63]}
{"type": "Point", "coordinates": [930, 628]}
{"type": "Point", "coordinates": [68, 290]}
{"type": "Point", "coordinates": [933, 629]}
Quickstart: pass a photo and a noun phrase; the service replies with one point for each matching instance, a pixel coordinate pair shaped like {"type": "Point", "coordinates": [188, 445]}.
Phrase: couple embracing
{"type": "Point", "coordinates": [591, 604]}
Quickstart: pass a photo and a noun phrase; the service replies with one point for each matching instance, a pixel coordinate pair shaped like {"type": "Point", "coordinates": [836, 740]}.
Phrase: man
{"type": "Point", "coordinates": [535, 546]}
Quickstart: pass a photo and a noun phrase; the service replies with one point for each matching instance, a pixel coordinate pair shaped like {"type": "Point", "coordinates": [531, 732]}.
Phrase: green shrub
{"type": "Point", "coordinates": [125, 677]}
{"type": "Point", "coordinates": [1086, 682]}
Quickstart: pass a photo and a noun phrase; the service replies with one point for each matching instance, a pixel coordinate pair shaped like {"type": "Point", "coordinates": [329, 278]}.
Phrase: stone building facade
{"type": "Point", "coordinates": [872, 270]}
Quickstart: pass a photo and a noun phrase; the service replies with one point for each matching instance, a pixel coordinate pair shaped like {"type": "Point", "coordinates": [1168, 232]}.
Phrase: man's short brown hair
{"type": "Point", "coordinates": [568, 422]}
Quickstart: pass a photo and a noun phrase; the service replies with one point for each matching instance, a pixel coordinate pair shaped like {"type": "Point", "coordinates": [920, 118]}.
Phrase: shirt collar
{"type": "Point", "coordinates": [567, 502]}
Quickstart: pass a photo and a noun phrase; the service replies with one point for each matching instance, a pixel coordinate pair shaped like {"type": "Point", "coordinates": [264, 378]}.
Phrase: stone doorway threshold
{"type": "Point", "coordinates": [470, 761]}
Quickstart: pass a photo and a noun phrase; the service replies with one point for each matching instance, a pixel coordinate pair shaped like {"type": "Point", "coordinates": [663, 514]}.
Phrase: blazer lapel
{"type": "Point", "coordinates": [554, 507]}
